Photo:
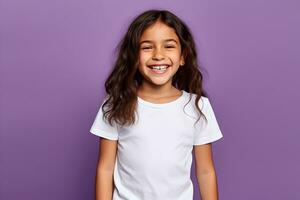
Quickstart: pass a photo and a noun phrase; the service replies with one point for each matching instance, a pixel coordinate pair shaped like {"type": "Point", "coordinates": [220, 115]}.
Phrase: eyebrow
{"type": "Point", "coordinates": [150, 41]}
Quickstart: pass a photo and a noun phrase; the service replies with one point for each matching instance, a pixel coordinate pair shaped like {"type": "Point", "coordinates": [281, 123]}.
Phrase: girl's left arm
{"type": "Point", "coordinates": [205, 172]}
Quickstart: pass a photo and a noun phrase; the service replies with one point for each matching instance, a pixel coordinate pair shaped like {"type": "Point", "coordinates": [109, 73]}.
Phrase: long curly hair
{"type": "Point", "coordinates": [124, 80]}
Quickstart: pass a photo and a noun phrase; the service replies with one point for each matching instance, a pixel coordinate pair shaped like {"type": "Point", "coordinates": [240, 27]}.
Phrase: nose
{"type": "Point", "coordinates": [157, 55]}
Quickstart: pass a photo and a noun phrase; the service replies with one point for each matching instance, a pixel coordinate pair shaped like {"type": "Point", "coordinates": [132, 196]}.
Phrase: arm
{"type": "Point", "coordinates": [205, 172]}
{"type": "Point", "coordinates": [105, 168]}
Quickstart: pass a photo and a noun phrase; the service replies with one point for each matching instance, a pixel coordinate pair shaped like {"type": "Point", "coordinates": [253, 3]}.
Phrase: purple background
{"type": "Point", "coordinates": [55, 56]}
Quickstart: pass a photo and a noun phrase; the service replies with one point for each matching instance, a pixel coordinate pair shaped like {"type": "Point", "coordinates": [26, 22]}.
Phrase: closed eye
{"type": "Point", "coordinates": [146, 47]}
{"type": "Point", "coordinates": [169, 47]}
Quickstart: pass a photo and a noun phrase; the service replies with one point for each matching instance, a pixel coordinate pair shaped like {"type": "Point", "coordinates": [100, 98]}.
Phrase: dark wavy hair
{"type": "Point", "coordinates": [124, 80]}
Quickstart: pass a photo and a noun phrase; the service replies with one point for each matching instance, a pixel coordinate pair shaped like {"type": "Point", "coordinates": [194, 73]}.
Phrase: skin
{"type": "Point", "coordinates": [205, 172]}
{"type": "Point", "coordinates": [105, 168]}
{"type": "Point", "coordinates": [159, 44]}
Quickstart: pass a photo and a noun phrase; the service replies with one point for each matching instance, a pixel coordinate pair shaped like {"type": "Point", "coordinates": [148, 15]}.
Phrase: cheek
{"type": "Point", "coordinates": [175, 58]}
{"type": "Point", "coordinates": [143, 58]}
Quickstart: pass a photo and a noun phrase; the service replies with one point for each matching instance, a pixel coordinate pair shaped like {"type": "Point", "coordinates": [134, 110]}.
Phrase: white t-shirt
{"type": "Point", "coordinates": [154, 155]}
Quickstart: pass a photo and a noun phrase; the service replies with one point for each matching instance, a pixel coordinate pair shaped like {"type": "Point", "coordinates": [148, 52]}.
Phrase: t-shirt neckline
{"type": "Point", "coordinates": [161, 105]}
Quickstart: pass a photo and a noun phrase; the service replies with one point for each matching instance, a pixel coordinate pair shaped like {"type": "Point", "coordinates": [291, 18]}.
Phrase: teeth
{"type": "Point", "coordinates": [160, 67]}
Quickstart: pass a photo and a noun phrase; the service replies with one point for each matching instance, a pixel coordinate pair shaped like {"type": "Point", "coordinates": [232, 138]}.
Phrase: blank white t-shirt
{"type": "Point", "coordinates": [154, 155]}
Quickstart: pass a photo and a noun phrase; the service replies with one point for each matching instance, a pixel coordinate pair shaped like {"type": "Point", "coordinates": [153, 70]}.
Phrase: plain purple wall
{"type": "Point", "coordinates": [55, 56]}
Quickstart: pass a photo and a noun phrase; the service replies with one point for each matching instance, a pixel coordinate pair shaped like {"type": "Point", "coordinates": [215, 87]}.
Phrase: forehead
{"type": "Point", "coordinates": [159, 32]}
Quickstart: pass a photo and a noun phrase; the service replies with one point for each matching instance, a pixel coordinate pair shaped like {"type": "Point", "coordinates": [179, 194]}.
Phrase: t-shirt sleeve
{"type": "Point", "coordinates": [102, 128]}
{"type": "Point", "coordinates": [210, 131]}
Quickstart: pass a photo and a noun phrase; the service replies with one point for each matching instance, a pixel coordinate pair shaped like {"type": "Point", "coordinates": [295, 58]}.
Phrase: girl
{"type": "Point", "coordinates": [154, 115]}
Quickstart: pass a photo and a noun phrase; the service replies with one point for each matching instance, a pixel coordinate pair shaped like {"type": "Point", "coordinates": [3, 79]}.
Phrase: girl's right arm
{"type": "Point", "coordinates": [105, 168]}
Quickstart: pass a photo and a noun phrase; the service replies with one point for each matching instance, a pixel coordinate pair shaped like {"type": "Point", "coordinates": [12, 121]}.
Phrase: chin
{"type": "Point", "coordinates": [160, 82]}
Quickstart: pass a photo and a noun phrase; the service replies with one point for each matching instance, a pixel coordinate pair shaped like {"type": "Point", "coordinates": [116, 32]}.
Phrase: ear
{"type": "Point", "coordinates": [181, 60]}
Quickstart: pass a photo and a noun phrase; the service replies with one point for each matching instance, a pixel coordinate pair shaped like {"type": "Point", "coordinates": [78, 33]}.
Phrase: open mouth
{"type": "Point", "coordinates": [159, 68]}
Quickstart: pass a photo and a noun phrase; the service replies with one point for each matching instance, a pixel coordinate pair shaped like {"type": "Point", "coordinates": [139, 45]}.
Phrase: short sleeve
{"type": "Point", "coordinates": [210, 131]}
{"type": "Point", "coordinates": [102, 128]}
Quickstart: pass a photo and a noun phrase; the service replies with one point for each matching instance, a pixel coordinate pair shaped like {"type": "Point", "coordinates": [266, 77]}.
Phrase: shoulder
{"type": "Point", "coordinates": [202, 100]}
{"type": "Point", "coordinates": [190, 106]}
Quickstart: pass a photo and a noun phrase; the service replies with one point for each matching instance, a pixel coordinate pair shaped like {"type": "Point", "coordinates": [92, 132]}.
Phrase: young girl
{"type": "Point", "coordinates": [154, 115]}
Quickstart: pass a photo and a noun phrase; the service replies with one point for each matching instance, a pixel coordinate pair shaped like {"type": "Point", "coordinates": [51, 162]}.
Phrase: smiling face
{"type": "Point", "coordinates": [160, 55]}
